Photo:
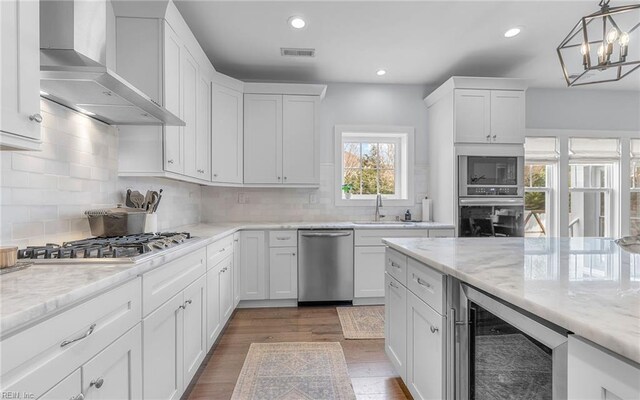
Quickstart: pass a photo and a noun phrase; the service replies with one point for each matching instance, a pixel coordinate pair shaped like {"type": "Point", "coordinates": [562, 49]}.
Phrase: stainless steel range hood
{"type": "Point", "coordinates": [74, 55]}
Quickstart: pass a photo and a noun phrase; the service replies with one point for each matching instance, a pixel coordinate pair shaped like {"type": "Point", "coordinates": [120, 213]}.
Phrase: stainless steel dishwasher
{"type": "Point", "coordinates": [325, 265]}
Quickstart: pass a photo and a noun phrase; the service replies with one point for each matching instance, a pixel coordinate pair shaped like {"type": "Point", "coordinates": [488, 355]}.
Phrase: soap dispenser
{"type": "Point", "coordinates": [407, 216]}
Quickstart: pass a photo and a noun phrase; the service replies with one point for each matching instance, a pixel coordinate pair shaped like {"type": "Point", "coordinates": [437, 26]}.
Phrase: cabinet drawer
{"type": "Point", "coordinates": [373, 237]}
{"type": "Point", "coordinates": [396, 265]}
{"type": "Point", "coordinates": [163, 283]}
{"type": "Point", "coordinates": [283, 239]}
{"type": "Point", "coordinates": [442, 233]}
{"type": "Point", "coordinates": [37, 358]}
{"type": "Point", "coordinates": [218, 251]}
{"type": "Point", "coordinates": [427, 284]}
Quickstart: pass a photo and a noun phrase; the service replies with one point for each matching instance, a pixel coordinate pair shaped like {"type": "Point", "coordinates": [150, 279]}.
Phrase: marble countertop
{"type": "Point", "coordinates": [588, 286]}
{"type": "Point", "coordinates": [29, 295]}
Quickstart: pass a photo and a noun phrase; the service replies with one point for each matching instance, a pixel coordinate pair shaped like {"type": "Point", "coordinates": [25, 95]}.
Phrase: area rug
{"type": "Point", "coordinates": [294, 371]}
{"type": "Point", "coordinates": [511, 367]}
{"type": "Point", "coordinates": [363, 322]}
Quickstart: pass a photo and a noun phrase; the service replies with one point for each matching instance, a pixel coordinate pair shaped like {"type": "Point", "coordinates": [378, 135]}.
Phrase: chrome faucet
{"type": "Point", "coordinates": [378, 207]}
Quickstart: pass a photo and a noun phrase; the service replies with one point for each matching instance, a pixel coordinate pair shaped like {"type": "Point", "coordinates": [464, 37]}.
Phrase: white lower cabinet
{"type": "Point", "coordinates": [194, 328]}
{"type": "Point", "coordinates": [68, 388]}
{"type": "Point", "coordinates": [236, 269]}
{"type": "Point", "coordinates": [162, 351]}
{"type": "Point", "coordinates": [395, 325]}
{"type": "Point", "coordinates": [425, 350]}
{"type": "Point", "coordinates": [214, 319]}
{"type": "Point", "coordinates": [369, 271]}
{"type": "Point", "coordinates": [226, 289]}
{"type": "Point", "coordinates": [283, 273]}
{"type": "Point", "coordinates": [116, 372]}
{"type": "Point", "coordinates": [252, 266]}
{"type": "Point", "coordinates": [596, 374]}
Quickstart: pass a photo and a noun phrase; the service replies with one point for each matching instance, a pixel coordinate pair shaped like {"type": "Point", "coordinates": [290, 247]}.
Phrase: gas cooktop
{"type": "Point", "coordinates": [118, 249]}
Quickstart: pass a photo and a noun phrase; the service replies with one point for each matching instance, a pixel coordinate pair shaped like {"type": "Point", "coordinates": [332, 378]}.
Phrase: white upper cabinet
{"type": "Point", "coordinates": [489, 116]}
{"type": "Point", "coordinates": [507, 116]}
{"type": "Point", "coordinates": [203, 128]}
{"type": "Point", "coordinates": [262, 138]}
{"type": "Point", "coordinates": [300, 164]}
{"type": "Point", "coordinates": [173, 135]}
{"type": "Point", "coordinates": [189, 78]}
{"type": "Point", "coordinates": [226, 135]}
{"type": "Point", "coordinates": [280, 139]}
{"type": "Point", "coordinates": [473, 116]}
{"type": "Point", "coordinates": [20, 75]}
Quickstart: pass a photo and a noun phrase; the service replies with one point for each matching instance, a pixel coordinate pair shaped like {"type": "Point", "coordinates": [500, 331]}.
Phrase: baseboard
{"type": "Point", "coordinates": [368, 301]}
{"type": "Point", "coordinates": [267, 303]}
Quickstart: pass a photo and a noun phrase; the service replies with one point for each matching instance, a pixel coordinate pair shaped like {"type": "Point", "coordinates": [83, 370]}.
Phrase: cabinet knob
{"type": "Point", "coordinates": [215, 175]}
{"type": "Point", "coordinates": [434, 329]}
{"type": "Point", "coordinates": [201, 171]}
{"type": "Point", "coordinates": [293, 254]}
{"type": "Point", "coordinates": [97, 383]}
{"type": "Point", "coordinates": [79, 396]}
{"type": "Point", "coordinates": [494, 137]}
{"type": "Point", "coordinates": [488, 138]}
{"type": "Point", "coordinates": [278, 178]}
{"type": "Point", "coordinates": [169, 161]}
{"type": "Point", "coordinates": [36, 118]}
{"type": "Point", "coordinates": [285, 178]}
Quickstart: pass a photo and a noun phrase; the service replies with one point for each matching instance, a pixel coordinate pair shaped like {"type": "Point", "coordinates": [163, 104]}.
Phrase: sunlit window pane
{"type": "Point", "coordinates": [536, 215]}
{"type": "Point", "coordinates": [635, 213]}
{"type": "Point", "coordinates": [351, 155]}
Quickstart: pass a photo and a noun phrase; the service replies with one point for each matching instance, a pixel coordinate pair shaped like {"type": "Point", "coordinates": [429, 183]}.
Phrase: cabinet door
{"type": "Point", "coordinates": [203, 129]}
{"type": "Point", "coordinates": [300, 163]}
{"type": "Point", "coordinates": [252, 266]}
{"type": "Point", "coordinates": [472, 116]}
{"type": "Point", "coordinates": [262, 138]}
{"type": "Point", "coordinates": [425, 351]}
{"type": "Point", "coordinates": [189, 86]}
{"type": "Point", "coordinates": [70, 388]}
{"type": "Point", "coordinates": [227, 134]}
{"type": "Point", "coordinates": [20, 66]}
{"type": "Point", "coordinates": [214, 320]}
{"type": "Point", "coordinates": [236, 269]}
{"type": "Point", "coordinates": [226, 289]}
{"type": "Point", "coordinates": [116, 372]}
{"type": "Point", "coordinates": [507, 116]}
{"type": "Point", "coordinates": [162, 351]}
{"type": "Point", "coordinates": [173, 135]}
{"type": "Point", "coordinates": [194, 327]}
{"type": "Point", "coordinates": [368, 271]}
{"type": "Point", "coordinates": [395, 325]}
{"type": "Point", "coordinates": [283, 273]}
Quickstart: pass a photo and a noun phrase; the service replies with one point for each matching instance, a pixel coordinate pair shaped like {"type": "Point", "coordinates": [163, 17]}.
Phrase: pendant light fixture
{"type": "Point", "coordinates": [603, 46]}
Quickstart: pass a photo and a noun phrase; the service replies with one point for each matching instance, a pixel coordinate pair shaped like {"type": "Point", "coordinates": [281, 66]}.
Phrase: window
{"type": "Point", "coordinates": [541, 154]}
{"type": "Point", "coordinates": [634, 226]}
{"type": "Point", "coordinates": [371, 161]}
{"type": "Point", "coordinates": [537, 199]}
{"type": "Point", "coordinates": [591, 167]}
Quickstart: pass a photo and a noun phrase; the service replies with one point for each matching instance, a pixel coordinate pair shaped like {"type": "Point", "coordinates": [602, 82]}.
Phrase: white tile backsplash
{"type": "Point", "coordinates": [43, 194]}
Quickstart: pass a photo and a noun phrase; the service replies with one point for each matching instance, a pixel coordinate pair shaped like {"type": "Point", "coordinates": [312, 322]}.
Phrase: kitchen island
{"type": "Point", "coordinates": [587, 287]}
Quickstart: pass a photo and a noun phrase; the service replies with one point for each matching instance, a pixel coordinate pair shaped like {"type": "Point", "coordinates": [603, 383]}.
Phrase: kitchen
{"type": "Point", "coordinates": [289, 185]}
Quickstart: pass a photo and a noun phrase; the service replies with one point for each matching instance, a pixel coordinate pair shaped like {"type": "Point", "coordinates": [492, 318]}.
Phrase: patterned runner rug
{"type": "Point", "coordinates": [362, 322]}
{"type": "Point", "coordinates": [294, 371]}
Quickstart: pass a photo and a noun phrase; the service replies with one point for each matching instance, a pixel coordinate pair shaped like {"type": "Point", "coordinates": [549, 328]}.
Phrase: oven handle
{"type": "Point", "coordinates": [330, 234]}
{"type": "Point", "coordinates": [492, 201]}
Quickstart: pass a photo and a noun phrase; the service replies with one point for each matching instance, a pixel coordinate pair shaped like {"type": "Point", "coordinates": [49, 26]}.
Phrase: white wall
{"type": "Point", "coordinates": [344, 104]}
{"type": "Point", "coordinates": [592, 109]}
{"type": "Point", "coordinates": [43, 194]}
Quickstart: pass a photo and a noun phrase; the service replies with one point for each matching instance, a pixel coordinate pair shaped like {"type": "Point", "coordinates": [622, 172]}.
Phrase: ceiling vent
{"type": "Point", "coordinates": [294, 52]}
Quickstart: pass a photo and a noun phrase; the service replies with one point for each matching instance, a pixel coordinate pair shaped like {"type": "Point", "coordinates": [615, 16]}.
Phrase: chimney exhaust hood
{"type": "Point", "coordinates": [74, 69]}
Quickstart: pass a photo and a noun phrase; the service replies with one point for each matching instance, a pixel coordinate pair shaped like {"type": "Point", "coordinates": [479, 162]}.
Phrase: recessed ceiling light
{"type": "Point", "coordinates": [513, 32]}
{"type": "Point", "coordinates": [297, 22]}
{"type": "Point", "coordinates": [381, 72]}
{"type": "Point", "coordinates": [82, 110]}
{"type": "Point", "coordinates": [43, 93]}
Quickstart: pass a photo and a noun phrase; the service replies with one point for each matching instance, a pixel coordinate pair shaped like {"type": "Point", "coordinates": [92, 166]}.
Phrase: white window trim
{"type": "Point", "coordinates": [404, 161]}
{"type": "Point", "coordinates": [550, 191]}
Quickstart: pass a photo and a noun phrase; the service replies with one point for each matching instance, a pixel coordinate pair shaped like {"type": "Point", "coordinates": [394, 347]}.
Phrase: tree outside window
{"type": "Point", "coordinates": [537, 199]}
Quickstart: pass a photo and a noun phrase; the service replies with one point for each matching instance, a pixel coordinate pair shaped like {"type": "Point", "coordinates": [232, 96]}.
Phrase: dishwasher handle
{"type": "Point", "coordinates": [326, 234]}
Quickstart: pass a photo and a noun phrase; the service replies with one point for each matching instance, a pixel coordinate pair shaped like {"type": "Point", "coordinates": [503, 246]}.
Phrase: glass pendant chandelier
{"type": "Point", "coordinates": [603, 46]}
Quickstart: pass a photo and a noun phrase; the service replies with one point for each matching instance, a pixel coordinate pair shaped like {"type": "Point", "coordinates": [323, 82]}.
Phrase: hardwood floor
{"type": "Point", "coordinates": [371, 373]}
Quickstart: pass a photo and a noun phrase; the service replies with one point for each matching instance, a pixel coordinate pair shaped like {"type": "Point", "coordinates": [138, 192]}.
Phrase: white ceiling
{"type": "Point", "coordinates": [417, 42]}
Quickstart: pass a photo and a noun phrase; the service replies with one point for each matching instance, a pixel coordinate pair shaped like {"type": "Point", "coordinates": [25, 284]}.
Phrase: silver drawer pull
{"type": "Point", "coordinates": [421, 282]}
{"type": "Point", "coordinates": [221, 250]}
{"type": "Point", "coordinates": [394, 265]}
{"type": "Point", "coordinates": [434, 329]}
{"type": "Point", "coordinates": [36, 118]}
{"type": "Point", "coordinates": [87, 333]}
{"type": "Point", "coordinates": [169, 161]}
{"type": "Point", "coordinates": [186, 303]}
{"type": "Point", "coordinates": [393, 285]}
{"type": "Point", "coordinates": [283, 238]}
{"type": "Point", "coordinates": [97, 383]}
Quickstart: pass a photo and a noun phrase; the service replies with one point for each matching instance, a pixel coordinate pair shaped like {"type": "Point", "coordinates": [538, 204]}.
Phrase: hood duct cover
{"type": "Point", "coordinates": [73, 69]}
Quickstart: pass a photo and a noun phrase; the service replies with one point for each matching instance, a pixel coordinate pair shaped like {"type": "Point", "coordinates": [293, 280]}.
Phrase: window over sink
{"type": "Point", "coordinates": [373, 160]}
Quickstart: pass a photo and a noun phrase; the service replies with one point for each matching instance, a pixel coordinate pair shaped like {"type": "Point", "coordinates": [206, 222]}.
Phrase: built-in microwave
{"type": "Point", "coordinates": [501, 176]}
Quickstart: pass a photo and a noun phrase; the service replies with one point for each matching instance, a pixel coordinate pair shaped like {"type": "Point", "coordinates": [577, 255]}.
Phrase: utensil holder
{"type": "Point", "coordinates": [151, 223]}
